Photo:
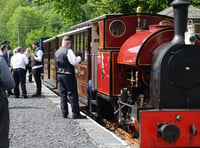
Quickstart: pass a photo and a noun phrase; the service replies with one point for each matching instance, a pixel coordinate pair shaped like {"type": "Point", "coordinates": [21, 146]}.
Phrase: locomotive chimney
{"type": "Point", "coordinates": [180, 20]}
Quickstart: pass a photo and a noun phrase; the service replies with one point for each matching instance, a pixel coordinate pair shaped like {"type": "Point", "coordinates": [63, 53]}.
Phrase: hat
{"type": "Point", "coordinates": [3, 46]}
{"type": "Point", "coordinates": [4, 42]}
{"type": "Point", "coordinates": [36, 43]}
{"type": "Point", "coordinates": [67, 38]}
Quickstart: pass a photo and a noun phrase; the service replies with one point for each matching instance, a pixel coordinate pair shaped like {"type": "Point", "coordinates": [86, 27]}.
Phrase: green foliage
{"type": "Point", "coordinates": [7, 9]}
{"type": "Point", "coordinates": [25, 19]}
{"type": "Point", "coordinates": [33, 35]}
{"type": "Point", "coordinates": [29, 21]}
{"type": "Point", "coordinates": [127, 6]}
{"type": "Point", "coordinates": [70, 10]}
{"type": "Point", "coordinates": [195, 3]}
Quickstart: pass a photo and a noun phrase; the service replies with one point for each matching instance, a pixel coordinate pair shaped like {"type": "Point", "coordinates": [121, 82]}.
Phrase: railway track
{"type": "Point", "coordinates": [121, 133]}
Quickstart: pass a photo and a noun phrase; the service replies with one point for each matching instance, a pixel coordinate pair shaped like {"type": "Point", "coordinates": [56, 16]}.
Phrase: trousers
{"type": "Point", "coordinates": [19, 75]}
{"type": "Point", "coordinates": [37, 76]}
{"type": "Point", "coordinates": [67, 86]}
{"type": "Point", "coordinates": [4, 122]}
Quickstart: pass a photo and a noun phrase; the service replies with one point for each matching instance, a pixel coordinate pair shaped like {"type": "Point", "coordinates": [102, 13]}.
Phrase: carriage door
{"type": "Point", "coordinates": [94, 54]}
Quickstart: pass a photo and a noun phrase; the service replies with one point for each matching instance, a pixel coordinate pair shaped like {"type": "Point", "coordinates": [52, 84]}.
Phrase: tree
{"type": "Point", "coordinates": [196, 3]}
{"type": "Point", "coordinates": [41, 19]}
{"type": "Point", "coordinates": [128, 6]}
{"type": "Point", "coordinates": [52, 26]}
{"type": "Point", "coordinates": [23, 20]}
{"type": "Point", "coordinates": [7, 9]}
{"type": "Point", "coordinates": [71, 11]}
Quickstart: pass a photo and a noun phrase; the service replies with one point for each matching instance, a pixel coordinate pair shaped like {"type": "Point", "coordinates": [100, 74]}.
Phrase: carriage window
{"type": "Point", "coordinates": [74, 44]}
{"type": "Point", "coordinates": [77, 43]}
{"type": "Point", "coordinates": [117, 28]}
{"type": "Point", "coordinates": [81, 41]}
{"type": "Point", "coordinates": [80, 44]}
{"type": "Point", "coordinates": [85, 46]}
{"type": "Point", "coordinates": [85, 40]}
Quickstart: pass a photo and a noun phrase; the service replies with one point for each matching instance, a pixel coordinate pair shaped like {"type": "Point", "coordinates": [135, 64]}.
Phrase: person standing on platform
{"type": "Point", "coordinates": [7, 83]}
{"type": "Point", "coordinates": [4, 49]}
{"type": "Point", "coordinates": [18, 65]}
{"type": "Point", "coordinates": [14, 51]}
{"type": "Point", "coordinates": [7, 56]}
{"type": "Point", "coordinates": [37, 68]}
{"type": "Point", "coordinates": [28, 55]}
{"type": "Point", "coordinates": [65, 60]}
{"type": "Point", "coordinates": [6, 53]}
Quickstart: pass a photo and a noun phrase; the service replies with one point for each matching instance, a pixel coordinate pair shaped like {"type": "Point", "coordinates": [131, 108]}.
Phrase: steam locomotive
{"type": "Point", "coordinates": [142, 74]}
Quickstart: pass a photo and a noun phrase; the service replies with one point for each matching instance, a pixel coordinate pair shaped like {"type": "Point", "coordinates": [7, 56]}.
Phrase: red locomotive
{"type": "Point", "coordinates": [142, 73]}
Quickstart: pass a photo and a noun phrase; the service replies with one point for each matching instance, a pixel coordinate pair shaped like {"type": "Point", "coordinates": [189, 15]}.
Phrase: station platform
{"type": "Point", "coordinates": [99, 134]}
{"type": "Point", "coordinates": [103, 137]}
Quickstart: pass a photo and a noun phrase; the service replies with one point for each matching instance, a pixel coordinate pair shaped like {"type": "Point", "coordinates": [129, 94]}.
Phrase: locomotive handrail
{"type": "Point", "coordinates": [166, 22]}
{"type": "Point", "coordinates": [125, 104]}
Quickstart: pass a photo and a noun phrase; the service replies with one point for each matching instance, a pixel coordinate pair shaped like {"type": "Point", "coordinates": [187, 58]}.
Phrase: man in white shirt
{"type": "Point", "coordinates": [65, 60]}
{"type": "Point", "coordinates": [18, 64]}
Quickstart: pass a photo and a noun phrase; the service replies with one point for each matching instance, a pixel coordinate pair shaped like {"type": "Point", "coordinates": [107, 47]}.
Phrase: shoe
{"type": "Point", "coordinates": [10, 93]}
{"type": "Point", "coordinates": [36, 95]}
{"type": "Point", "coordinates": [64, 115]}
{"type": "Point", "coordinates": [25, 97]}
{"type": "Point", "coordinates": [79, 117]}
{"type": "Point", "coordinates": [16, 96]}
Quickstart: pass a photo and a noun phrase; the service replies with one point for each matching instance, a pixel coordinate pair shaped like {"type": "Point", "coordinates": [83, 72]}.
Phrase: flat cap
{"type": "Point", "coordinates": [67, 38]}
{"type": "Point", "coordinates": [4, 42]}
{"type": "Point", "coordinates": [3, 46]}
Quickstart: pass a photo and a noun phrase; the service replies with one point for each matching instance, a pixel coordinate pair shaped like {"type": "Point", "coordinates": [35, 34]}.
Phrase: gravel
{"type": "Point", "coordinates": [37, 123]}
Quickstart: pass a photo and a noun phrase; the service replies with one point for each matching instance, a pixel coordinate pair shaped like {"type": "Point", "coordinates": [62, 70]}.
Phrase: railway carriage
{"type": "Point", "coordinates": [143, 74]}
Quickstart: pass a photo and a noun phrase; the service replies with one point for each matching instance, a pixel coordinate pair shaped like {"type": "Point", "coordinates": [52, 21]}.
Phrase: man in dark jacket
{"type": "Point", "coordinates": [7, 56]}
{"type": "Point", "coordinates": [67, 84]}
{"type": "Point", "coordinates": [7, 82]}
